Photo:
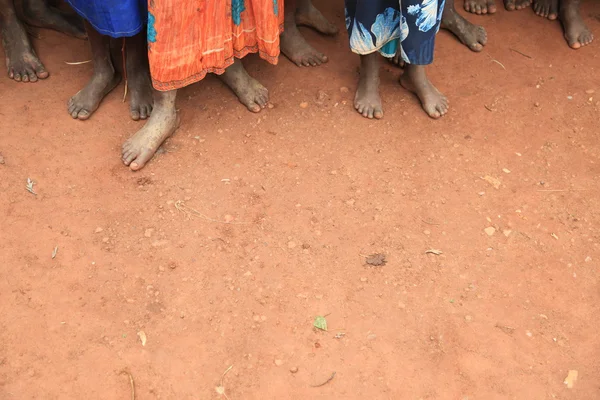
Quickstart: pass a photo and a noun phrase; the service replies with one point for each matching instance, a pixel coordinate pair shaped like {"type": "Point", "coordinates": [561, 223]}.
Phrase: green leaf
{"type": "Point", "coordinates": [320, 323]}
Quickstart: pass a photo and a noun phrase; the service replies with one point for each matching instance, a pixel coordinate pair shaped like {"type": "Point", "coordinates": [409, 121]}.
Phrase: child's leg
{"type": "Point", "coordinates": [366, 100]}
{"type": "Point", "coordinates": [86, 101]}
{"type": "Point", "coordinates": [142, 146]}
{"type": "Point", "coordinates": [41, 14]}
{"type": "Point", "coordinates": [22, 62]}
{"type": "Point", "coordinates": [546, 8]}
{"type": "Point", "coordinates": [249, 91]}
{"type": "Point", "coordinates": [471, 35]}
{"type": "Point", "coordinates": [576, 32]}
{"type": "Point", "coordinates": [419, 28]}
{"type": "Point", "coordinates": [138, 77]}
{"type": "Point", "coordinates": [308, 15]}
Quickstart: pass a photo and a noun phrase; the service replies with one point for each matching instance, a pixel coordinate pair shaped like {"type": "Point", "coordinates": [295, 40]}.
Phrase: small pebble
{"type": "Point", "coordinates": [98, 230]}
{"type": "Point", "coordinates": [468, 318]}
{"type": "Point", "coordinates": [279, 363]}
{"type": "Point", "coordinates": [228, 218]}
{"type": "Point", "coordinates": [291, 244]}
{"type": "Point", "coordinates": [570, 97]}
{"type": "Point", "coordinates": [363, 279]}
{"type": "Point", "coordinates": [293, 370]}
{"type": "Point", "coordinates": [148, 232]}
{"type": "Point", "coordinates": [161, 268]}
{"type": "Point", "coordinates": [590, 91]}
{"type": "Point", "coordinates": [105, 240]}
{"type": "Point", "coordinates": [506, 170]}
{"type": "Point", "coordinates": [303, 104]}
{"type": "Point", "coordinates": [536, 104]}
{"type": "Point", "coordinates": [490, 230]}
{"type": "Point", "coordinates": [344, 89]}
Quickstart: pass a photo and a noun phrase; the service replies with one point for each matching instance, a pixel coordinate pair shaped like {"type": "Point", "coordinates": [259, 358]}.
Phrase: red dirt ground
{"type": "Point", "coordinates": [311, 190]}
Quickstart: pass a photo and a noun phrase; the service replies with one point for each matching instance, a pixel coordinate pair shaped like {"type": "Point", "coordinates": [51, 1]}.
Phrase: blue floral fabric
{"type": "Point", "coordinates": [388, 26]}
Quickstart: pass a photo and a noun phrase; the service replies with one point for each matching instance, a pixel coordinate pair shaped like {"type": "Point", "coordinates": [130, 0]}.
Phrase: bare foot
{"type": "Point", "coordinates": [576, 32]}
{"type": "Point", "coordinates": [472, 36]}
{"type": "Point", "coordinates": [39, 13]}
{"type": "Point", "coordinates": [248, 90]}
{"type": "Point", "coordinates": [142, 146]}
{"type": "Point", "coordinates": [397, 60]}
{"type": "Point", "coordinates": [308, 15]}
{"type": "Point", "coordinates": [294, 46]}
{"type": "Point", "coordinates": [546, 8]}
{"type": "Point", "coordinates": [138, 77]}
{"type": "Point", "coordinates": [87, 100]}
{"type": "Point", "coordinates": [480, 6]}
{"type": "Point", "coordinates": [21, 61]}
{"type": "Point", "coordinates": [414, 80]}
{"type": "Point", "coordinates": [512, 5]}
{"type": "Point", "coordinates": [366, 100]}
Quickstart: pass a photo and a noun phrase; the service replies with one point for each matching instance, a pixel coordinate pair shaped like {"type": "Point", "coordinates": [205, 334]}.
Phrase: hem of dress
{"type": "Point", "coordinates": [106, 32]}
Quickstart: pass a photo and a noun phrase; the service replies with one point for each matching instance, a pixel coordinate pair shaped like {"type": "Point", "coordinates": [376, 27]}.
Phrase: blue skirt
{"type": "Point", "coordinates": [115, 18]}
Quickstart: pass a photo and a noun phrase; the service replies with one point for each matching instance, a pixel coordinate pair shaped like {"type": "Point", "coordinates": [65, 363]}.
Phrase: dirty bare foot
{"type": "Point", "coordinates": [546, 8]}
{"type": "Point", "coordinates": [86, 101]}
{"type": "Point", "coordinates": [576, 32]}
{"type": "Point", "coordinates": [366, 100]}
{"type": "Point", "coordinates": [397, 60]}
{"type": "Point", "coordinates": [308, 15]}
{"type": "Point", "coordinates": [415, 80]}
{"type": "Point", "coordinates": [142, 146]}
{"type": "Point", "coordinates": [40, 14]}
{"type": "Point", "coordinates": [480, 6]}
{"type": "Point", "coordinates": [248, 90]}
{"type": "Point", "coordinates": [22, 63]}
{"type": "Point", "coordinates": [138, 77]}
{"type": "Point", "coordinates": [512, 5]}
{"type": "Point", "coordinates": [294, 46]}
{"type": "Point", "coordinates": [472, 36]}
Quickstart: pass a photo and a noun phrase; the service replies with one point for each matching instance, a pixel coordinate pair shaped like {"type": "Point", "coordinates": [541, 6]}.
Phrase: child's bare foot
{"type": "Point", "coordinates": [367, 101]}
{"type": "Point", "coordinates": [140, 148]}
{"type": "Point", "coordinates": [472, 36]}
{"type": "Point", "coordinates": [512, 5]}
{"type": "Point", "coordinates": [576, 32]}
{"type": "Point", "coordinates": [308, 15]}
{"type": "Point", "coordinates": [292, 43]}
{"type": "Point", "coordinates": [546, 8]}
{"type": "Point", "coordinates": [415, 80]}
{"type": "Point", "coordinates": [87, 100]}
{"type": "Point", "coordinates": [248, 90]}
{"type": "Point", "coordinates": [480, 6]}
{"type": "Point", "coordinates": [21, 61]}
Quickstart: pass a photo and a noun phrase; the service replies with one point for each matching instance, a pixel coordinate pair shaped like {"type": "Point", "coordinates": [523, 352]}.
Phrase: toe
{"type": "Point", "coordinates": [370, 113]}
{"type": "Point", "coordinates": [32, 76]}
{"type": "Point", "coordinates": [252, 106]}
{"type": "Point", "coordinates": [83, 115]}
{"type": "Point", "coordinates": [144, 114]}
{"type": "Point", "coordinates": [25, 77]}
{"type": "Point", "coordinates": [378, 114]}
{"type": "Point", "coordinates": [75, 113]}
{"type": "Point", "coordinates": [17, 77]}
{"type": "Point", "coordinates": [476, 47]}
{"type": "Point", "coordinates": [135, 114]}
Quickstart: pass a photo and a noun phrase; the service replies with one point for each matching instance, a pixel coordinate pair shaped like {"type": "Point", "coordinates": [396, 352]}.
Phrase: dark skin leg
{"type": "Point", "coordinates": [546, 8]}
{"type": "Point", "coordinates": [21, 61]}
{"type": "Point", "coordinates": [292, 43]}
{"type": "Point", "coordinates": [142, 146]}
{"type": "Point", "coordinates": [86, 101]}
{"type": "Point", "coordinates": [577, 33]}
{"type": "Point", "coordinates": [40, 14]}
{"type": "Point", "coordinates": [248, 90]}
{"type": "Point", "coordinates": [138, 77]}
{"type": "Point", "coordinates": [472, 36]}
{"type": "Point", "coordinates": [415, 80]}
{"type": "Point", "coordinates": [367, 100]}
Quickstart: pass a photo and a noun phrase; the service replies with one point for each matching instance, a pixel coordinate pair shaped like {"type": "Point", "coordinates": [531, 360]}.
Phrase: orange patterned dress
{"type": "Point", "coordinates": [188, 39]}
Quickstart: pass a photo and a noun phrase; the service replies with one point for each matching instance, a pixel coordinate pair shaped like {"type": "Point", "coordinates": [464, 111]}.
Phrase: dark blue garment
{"type": "Point", "coordinates": [388, 26]}
{"type": "Point", "coordinates": [115, 18]}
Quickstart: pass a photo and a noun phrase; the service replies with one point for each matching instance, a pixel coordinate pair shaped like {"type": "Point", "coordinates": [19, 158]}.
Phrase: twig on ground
{"type": "Point", "coordinates": [523, 54]}
{"type": "Point", "coordinates": [130, 382]}
{"type": "Point", "coordinates": [180, 206]}
{"type": "Point", "coordinates": [77, 62]}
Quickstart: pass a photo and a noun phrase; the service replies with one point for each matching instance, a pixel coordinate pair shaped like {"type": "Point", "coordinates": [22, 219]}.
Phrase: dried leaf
{"type": "Point", "coordinates": [54, 252]}
{"type": "Point", "coordinates": [495, 182]}
{"type": "Point", "coordinates": [376, 260]}
{"type": "Point", "coordinates": [571, 378]}
{"type": "Point", "coordinates": [220, 390]}
{"type": "Point", "coordinates": [142, 336]}
{"type": "Point", "coordinates": [434, 251]}
{"type": "Point", "coordinates": [320, 323]}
